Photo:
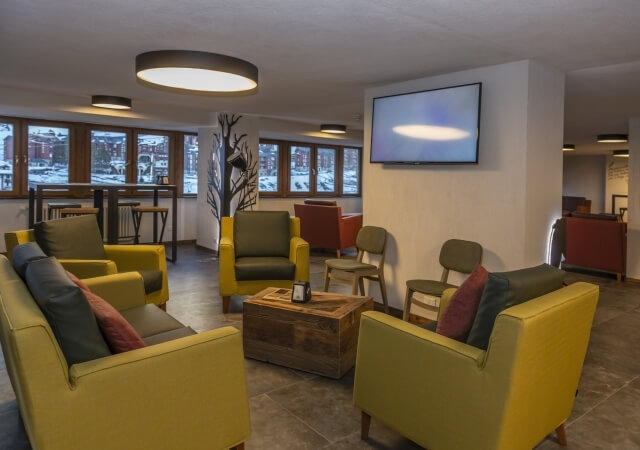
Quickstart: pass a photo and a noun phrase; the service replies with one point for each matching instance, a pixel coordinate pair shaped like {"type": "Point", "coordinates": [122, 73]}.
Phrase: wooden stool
{"type": "Point", "coordinates": [65, 212]}
{"type": "Point", "coordinates": [53, 208]}
{"type": "Point", "coordinates": [136, 214]}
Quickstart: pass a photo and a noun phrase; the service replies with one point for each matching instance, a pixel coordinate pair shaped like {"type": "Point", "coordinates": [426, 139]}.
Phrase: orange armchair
{"type": "Point", "coordinates": [324, 226]}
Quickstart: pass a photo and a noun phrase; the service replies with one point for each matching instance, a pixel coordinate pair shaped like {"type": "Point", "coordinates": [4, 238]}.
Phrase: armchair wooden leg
{"type": "Point", "coordinates": [225, 303]}
{"type": "Point", "coordinates": [383, 291]}
{"type": "Point", "coordinates": [561, 434]}
{"type": "Point", "coordinates": [325, 286]}
{"type": "Point", "coordinates": [238, 447]}
{"type": "Point", "coordinates": [163, 306]}
{"type": "Point", "coordinates": [407, 305]}
{"type": "Point", "coordinates": [364, 426]}
{"type": "Point", "coordinates": [338, 253]}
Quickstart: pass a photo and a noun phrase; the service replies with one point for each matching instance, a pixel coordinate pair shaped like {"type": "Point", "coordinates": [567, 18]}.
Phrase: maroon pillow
{"type": "Point", "coordinates": [457, 318]}
{"type": "Point", "coordinates": [118, 333]}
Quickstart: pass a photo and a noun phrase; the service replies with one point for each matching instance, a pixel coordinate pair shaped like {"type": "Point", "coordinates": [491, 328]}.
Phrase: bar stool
{"type": "Point", "coordinates": [53, 208]}
{"type": "Point", "coordinates": [123, 228]}
{"type": "Point", "coordinates": [136, 214]}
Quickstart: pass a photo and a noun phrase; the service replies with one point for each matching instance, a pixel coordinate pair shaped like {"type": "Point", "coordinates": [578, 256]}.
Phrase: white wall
{"type": "Point", "coordinates": [585, 176]}
{"type": "Point", "coordinates": [617, 183]}
{"type": "Point", "coordinates": [633, 225]}
{"type": "Point", "coordinates": [506, 202]}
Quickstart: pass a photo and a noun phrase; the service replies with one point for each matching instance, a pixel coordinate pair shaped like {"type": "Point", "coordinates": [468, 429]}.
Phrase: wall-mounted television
{"type": "Point", "coordinates": [439, 126]}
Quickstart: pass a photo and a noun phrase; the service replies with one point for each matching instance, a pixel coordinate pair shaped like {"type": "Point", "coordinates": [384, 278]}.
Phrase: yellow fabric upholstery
{"type": "Point", "coordinates": [298, 254]}
{"type": "Point", "coordinates": [445, 394]}
{"type": "Point", "coordinates": [121, 258]}
{"type": "Point", "coordinates": [188, 393]}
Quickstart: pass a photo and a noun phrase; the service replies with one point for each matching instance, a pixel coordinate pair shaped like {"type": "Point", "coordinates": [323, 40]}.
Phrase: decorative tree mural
{"type": "Point", "coordinates": [230, 187]}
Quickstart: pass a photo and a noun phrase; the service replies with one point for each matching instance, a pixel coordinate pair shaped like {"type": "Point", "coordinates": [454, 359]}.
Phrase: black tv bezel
{"type": "Point", "coordinates": [422, 163]}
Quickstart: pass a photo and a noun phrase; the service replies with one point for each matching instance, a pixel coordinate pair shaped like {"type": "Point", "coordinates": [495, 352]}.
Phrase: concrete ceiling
{"type": "Point", "coordinates": [315, 57]}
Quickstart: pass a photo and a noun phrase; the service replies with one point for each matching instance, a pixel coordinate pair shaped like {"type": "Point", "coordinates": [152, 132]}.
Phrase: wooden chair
{"type": "Point", "coordinates": [370, 240]}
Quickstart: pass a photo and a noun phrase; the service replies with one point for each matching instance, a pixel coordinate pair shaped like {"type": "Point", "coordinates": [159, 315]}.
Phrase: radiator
{"type": "Point", "coordinates": [125, 225]}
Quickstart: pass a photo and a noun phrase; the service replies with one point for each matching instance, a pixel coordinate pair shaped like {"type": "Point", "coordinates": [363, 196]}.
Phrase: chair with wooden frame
{"type": "Point", "coordinates": [370, 240]}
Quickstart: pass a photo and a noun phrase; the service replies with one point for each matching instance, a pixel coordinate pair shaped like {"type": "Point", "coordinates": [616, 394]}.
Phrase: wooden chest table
{"type": "Point", "coordinates": [320, 336]}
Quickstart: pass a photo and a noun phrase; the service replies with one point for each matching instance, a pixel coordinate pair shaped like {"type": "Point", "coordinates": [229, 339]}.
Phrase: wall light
{"type": "Point", "coordinates": [333, 128]}
{"type": "Point", "coordinates": [568, 147]}
{"type": "Point", "coordinates": [204, 72]}
{"type": "Point", "coordinates": [621, 153]}
{"type": "Point", "coordinates": [110, 101]}
{"type": "Point", "coordinates": [612, 138]}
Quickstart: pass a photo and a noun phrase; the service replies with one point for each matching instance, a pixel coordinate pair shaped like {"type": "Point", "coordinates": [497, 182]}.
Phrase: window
{"type": "Point", "coordinates": [326, 170]}
{"type": "Point", "coordinates": [190, 164]}
{"type": "Point", "coordinates": [299, 168]}
{"type": "Point", "coordinates": [268, 175]}
{"type": "Point", "coordinates": [153, 157]}
{"type": "Point", "coordinates": [350, 171]}
{"type": "Point", "coordinates": [48, 155]}
{"type": "Point", "coordinates": [7, 156]}
{"type": "Point", "coordinates": [108, 157]}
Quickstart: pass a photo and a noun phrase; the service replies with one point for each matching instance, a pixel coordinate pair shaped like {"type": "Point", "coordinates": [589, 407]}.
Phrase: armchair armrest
{"type": "Point", "coordinates": [227, 258]}
{"type": "Point", "coordinates": [202, 377]}
{"type": "Point", "coordinates": [121, 290]}
{"type": "Point", "coordinates": [299, 255]}
{"type": "Point", "coordinates": [137, 257]}
{"type": "Point", "coordinates": [348, 228]}
{"type": "Point", "coordinates": [88, 268]}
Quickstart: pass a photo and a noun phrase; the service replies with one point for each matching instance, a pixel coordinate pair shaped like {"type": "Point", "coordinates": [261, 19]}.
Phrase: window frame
{"type": "Point", "coordinates": [17, 160]}
{"type": "Point", "coordinates": [179, 164]}
{"type": "Point", "coordinates": [281, 169]}
{"type": "Point", "coordinates": [130, 171]}
{"type": "Point", "coordinates": [170, 157]}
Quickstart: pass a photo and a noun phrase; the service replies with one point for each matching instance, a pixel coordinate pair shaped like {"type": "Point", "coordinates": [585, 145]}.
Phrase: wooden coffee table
{"type": "Point", "coordinates": [320, 336]}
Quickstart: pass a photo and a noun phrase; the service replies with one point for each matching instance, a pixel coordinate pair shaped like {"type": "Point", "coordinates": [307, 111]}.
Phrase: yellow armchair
{"type": "Point", "coordinates": [230, 284]}
{"type": "Point", "coordinates": [445, 394]}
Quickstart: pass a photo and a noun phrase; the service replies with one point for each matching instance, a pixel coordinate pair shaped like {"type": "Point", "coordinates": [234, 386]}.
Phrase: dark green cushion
{"type": "Point", "coordinates": [507, 289]}
{"type": "Point", "coordinates": [261, 233]}
{"type": "Point", "coordinates": [152, 279]}
{"type": "Point", "coordinates": [71, 238]}
{"type": "Point", "coordinates": [264, 268]}
{"type": "Point", "coordinates": [67, 310]}
{"type": "Point", "coordinates": [23, 254]}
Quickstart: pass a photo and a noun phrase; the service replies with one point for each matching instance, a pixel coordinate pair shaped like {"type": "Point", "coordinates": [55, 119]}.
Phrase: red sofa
{"type": "Point", "coordinates": [324, 226]}
{"type": "Point", "coordinates": [596, 244]}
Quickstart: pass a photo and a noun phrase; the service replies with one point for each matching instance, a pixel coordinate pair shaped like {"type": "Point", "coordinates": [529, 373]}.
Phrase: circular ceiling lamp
{"type": "Point", "coordinates": [612, 138]}
{"type": "Point", "coordinates": [568, 147]}
{"type": "Point", "coordinates": [621, 153]}
{"type": "Point", "coordinates": [196, 72]}
{"type": "Point", "coordinates": [333, 128]}
{"type": "Point", "coordinates": [110, 102]}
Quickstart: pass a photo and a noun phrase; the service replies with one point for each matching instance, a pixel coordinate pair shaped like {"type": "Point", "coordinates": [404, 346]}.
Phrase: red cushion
{"type": "Point", "coordinates": [118, 333]}
{"type": "Point", "coordinates": [457, 318]}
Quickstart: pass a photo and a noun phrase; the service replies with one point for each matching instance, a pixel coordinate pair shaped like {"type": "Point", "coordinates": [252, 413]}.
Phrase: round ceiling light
{"type": "Point", "coordinates": [621, 153]}
{"type": "Point", "coordinates": [333, 128]}
{"type": "Point", "coordinates": [110, 102]}
{"type": "Point", "coordinates": [568, 147]}
{"type": "Point", "coordinates": [203, 72]}
{"type": "Point", "coordinates": [612, 138]}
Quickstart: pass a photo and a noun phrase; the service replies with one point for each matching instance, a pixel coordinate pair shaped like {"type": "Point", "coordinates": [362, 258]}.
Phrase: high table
{"type": "Point", "coordinates": [36, 195]}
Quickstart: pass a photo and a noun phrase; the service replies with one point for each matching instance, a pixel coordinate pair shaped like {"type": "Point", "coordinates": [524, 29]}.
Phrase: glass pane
{"type": "Point", "coordinates": [48, 153]}
{"type": "Point", "coordinates": [326, 164]}
{"type": "Point", "coordinates": [108, 157]}
{"type": "Point", "coordinates": [153, 157]}
{"type": "Point", "coordinates": [299, 173]}
{"type": "Point", "coordinates": [190, 176]}
{"type": "Point", "coordinates": [268, 176]}
{"type": "Point", "coordinates": [6, 157]}
{"type": "Point", "coordinates": [350, 170]}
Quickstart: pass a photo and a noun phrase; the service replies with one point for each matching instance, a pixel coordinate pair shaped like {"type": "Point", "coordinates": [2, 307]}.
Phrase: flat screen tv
{"type": "Point", "coordinates": [439, 126]}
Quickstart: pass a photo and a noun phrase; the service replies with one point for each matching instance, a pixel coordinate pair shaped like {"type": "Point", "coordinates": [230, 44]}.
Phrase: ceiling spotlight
{"type": "Point", "coordinates": [203, 72]}
{"type": "Point", "coordinates": [621, 153]}
{"type": "Point", "coordinates": [333, 128]}
{"type": "Point", "coordinates": [110, 101]}
{"type": "Point", "coordinates": [568, 147]}
{"type": "Point", "coordinates": [612, 138]}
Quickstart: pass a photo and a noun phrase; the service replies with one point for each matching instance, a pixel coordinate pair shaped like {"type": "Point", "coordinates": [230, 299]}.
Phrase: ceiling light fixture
{"type": "Point", "coordinates": [568, 147]}
{"type": "Point", "coordinates": [621, 153]}
{"type": "Point", "coordinates": [612, 138]}
{"type": "Point", "coordinates": [333, 128]}
{"type": "Point", "coordinates": [110, 102]}
{"type": "Point", "coordinates": [193, 71]}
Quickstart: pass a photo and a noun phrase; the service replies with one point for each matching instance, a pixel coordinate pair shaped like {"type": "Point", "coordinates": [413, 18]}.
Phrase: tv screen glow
{"type": "Point", "coordinates": [439, 126]}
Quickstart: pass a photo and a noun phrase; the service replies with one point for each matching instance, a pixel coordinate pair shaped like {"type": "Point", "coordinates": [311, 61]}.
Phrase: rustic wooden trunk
{"type": "Point", "coordinates": [320, 336]}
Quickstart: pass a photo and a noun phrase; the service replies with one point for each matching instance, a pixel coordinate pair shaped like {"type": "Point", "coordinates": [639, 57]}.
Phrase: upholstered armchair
{"type": "Point", "coordinates": [446, 394]}
{"type": "Point", "coordinates": [324, 226]}
{"type": "Point", "coordinates": [260, 249]}
{"type": "Point", "coordinates": [76, 242]}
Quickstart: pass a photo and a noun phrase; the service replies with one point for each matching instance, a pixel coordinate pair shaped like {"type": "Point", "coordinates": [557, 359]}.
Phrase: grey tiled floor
{"type": "Point", "coordinates": [295, 410]}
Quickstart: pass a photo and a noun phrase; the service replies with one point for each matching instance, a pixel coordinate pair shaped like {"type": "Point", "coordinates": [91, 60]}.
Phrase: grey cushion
{"type": "Point", "coordinates": [67, 311]}
{"type": "Point", "coordinates": [152, 279]}
{"type": "Point", "coordinates": [71, 238]}
{"type": "Point", "coordinates": [507, 289]}
{"type": "Point", "coordinates": [149, 320]}
{"type": "Point", "coordinates": [264, 268]}
{"type": "Point", "coordinates": [23, 254]}
{"type": "Point", "coordinates": [169, 335]}
{"type": "Point", "coordinates": [261, 233]}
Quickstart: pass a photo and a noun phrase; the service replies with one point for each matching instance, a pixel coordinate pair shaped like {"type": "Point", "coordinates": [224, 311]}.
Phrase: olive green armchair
{"type": "Point", "coordinates": [444, 394]}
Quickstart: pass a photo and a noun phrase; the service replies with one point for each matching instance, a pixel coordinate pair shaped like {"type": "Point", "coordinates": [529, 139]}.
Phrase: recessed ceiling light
{"type": "Point", "coordinates": [612, 138]}
{"type": "Point", "coordinates": [194, 71]}
{"type": "Point", "coordinates": [568, 147]}
{"type": "Point", "coordinates": [621, 153]}
{"type": "Point", "coordinates": [110, 102]}
{"type": "Point", "coordinates": [333, 128]}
